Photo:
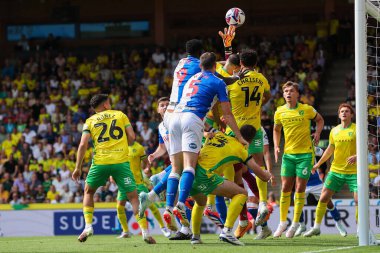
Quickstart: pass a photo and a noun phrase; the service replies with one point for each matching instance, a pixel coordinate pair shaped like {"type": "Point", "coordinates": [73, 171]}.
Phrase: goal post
{"type": "Point", "coordinates": [367, 88]}
{"type": "Point", "coordinates": [361, 120]}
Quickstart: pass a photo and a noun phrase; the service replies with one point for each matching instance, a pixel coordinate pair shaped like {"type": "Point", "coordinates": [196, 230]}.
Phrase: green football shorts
{"type": "Point", "coordinates": [123, 195]}
{"type": "Point", "coordinates": [257, 144]}
{"type": "Point", "coordinates": [335, 181]}
{"type": "Point", "coordinates": [297, 165]}
{"type": "Point", "coordinates": [203, 183]}
{"type": "Point", "coordinates": [121, 173]}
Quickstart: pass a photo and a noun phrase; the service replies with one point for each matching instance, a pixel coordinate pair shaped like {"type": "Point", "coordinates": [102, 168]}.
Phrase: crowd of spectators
{"type": "Point", "coordinates": [44, 104]}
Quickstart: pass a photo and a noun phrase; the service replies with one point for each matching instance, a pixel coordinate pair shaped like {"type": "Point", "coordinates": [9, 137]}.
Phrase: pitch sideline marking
{"type": "Point", "coordinates": [326, 250]}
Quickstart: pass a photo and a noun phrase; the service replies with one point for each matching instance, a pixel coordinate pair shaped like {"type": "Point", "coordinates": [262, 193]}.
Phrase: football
{"type": "Point", "coordinates": [235, 17]}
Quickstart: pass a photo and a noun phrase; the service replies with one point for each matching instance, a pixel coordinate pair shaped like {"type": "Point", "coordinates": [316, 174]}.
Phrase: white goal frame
{"type": "Point", "coordinates": [362, 7]}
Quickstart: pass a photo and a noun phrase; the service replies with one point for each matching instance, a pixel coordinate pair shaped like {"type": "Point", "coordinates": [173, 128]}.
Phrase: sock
{"type": "Point", "coordinates": [252, 183]}
{"type": "Point", "coordinates": [211, 201]}
{"type": "Point", "coordinates": [88, 212]}
{"type": "Point", "coordinates": [156, 213]}
{"type": "Point", "coordinates": [172, 188]}
{"type": "Point", "coordinates": [221, 207]}
{"type": "Point", "coordinates": [186, 183]}
{"type": "Point", "coordinates": [142, 222]}
{"type": "Point", "coordinates": [263, 187]}
{"type": "Point", "coordinates": [299, 202]}
{"type": "Point", "coordinates": [122, 217]}
{"type": "Point", "coordinates": [356, 214]}
{"type": "Point", "coordinates": [243, 214]}
{"type": "Point", "coordinates": [253, 209]}
{"type": "Point", "coordinates": [235, 208]}
{"type": "Point", "coordinates": [301, 218]}
{"type": "Point", "coordinates": [188, 214]}
{"type": "Point", "coordinates": [334, 213]}
{"type": "Point", "coordinates": [161, 186]}
{"type": "Point", "coordinates": [196, 219]}
{"type": "Point", "coordinates": [284, 205]}
{"type": "Point", "coordinates": [152, 196]}
{"type": "Point", "coordinates": [320, 212]}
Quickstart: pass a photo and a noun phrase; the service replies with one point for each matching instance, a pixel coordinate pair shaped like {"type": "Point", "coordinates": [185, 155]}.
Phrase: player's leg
{"type": "Point", "coordinates": [238, 197]}
{"type": "Point", "coordinates": [88, 212]}
{"type": "Point", "coordinates": [146, 199]}
{"type": "Point", "coordinates": [244, 224]}
{"type": "Point", "coordinates": [196, 217]}
{"type": "Point", "coordinates": [97, 176]}
{"type": "Point", "coordinates": [192, 133]}
{"type": "Point", "coordinates": [304, 164]}
{"type": "Point", "coordinates": [333, 183]}
{"type": "Point", "coordinates": [121, 215]}
{"type": "Point", "coordinates": [313, 191]}
{"type": "Point", "coordinates": [256, 148]}
{"type": "Point", "coordinates": [288, 177]}
{"type": "Point", "coordinates": [336, 216]}
{"type": "Point", "coordinates": [156, 213]}
{"type": "Point", "coordinates": [125, 181]}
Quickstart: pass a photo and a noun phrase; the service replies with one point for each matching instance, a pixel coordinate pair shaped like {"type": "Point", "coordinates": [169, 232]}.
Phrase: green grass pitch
{"type": "Point", "coordinates": [98, 243]}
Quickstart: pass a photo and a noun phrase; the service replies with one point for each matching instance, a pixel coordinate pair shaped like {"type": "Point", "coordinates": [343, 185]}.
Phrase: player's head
{"type": "Point", "coordinates": [232, 64]}
{"type": "Point", "coordinates": [248, 132]}
{"type": "Point", "coordinates": [162, 104]}
{"type": "Point", "coordinates": [248, 58]}
{"type": "Point", "coordinates": [100, 102]}
{"type": "Point", "coordinates": [290, 91]}
{"type": "Point", "coordinates": [208, 61]}
{"type": "Point", "coordinates": [194, 47]}
{"type": "Point", "coordinates": [346, 112]}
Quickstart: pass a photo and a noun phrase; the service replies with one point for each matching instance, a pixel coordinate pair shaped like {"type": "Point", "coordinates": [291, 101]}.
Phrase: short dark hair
{"type": "Point", "coordinates": [248, 57]}
{"type": "Point", "coordinates": [234, 59]}
{"type": "Point", "coordinates": [208, 60]}
{"type": "Point", "coordinates": [248, 132]}
{"type": "Point", "coordinates": [161, 99]}
{"type": "Point", "coordinates": [98, 99]}
{"type": "Point", "coordinates": [194, 47]}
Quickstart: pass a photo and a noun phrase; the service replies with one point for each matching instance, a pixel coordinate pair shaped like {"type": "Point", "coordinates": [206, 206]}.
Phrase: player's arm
{"type": "Point", "coordinates": [326, 155]}
{"type": "Point", "coordinates": [130, 134]}
{"type": "Point", "coordinates": [227, 37]}
{"type": "Point", "coordinates": [268, 163]}
{"type": "Point", "coordinates": [230, 120]}
{"type": "Point", "coordinates": [276, 140]}
{"type": "Point", "coordinates": [319, 126]}
{"type": "Point", "coordinates": [266, 97]}
{"type": "Point", "coordinates": [160, 151]}
{"type": "Point", "coordinates": [262, 174]}
{"type": "Point", "coordinates": [216, 115]}
{"type": "Point", "coordinates": [80, 155]}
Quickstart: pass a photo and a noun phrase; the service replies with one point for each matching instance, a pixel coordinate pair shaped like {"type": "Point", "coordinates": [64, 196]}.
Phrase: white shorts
{"type": "Point", "coordinates": [185, 132]}
{"type": "Point", "coordinates": [314, 190]}
{"type": "Point", "coordinates": [246, 187]}
{"type": "Point", "coordinates": [167, 117]}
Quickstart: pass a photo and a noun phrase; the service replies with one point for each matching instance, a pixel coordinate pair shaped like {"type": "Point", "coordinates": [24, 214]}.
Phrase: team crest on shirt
{"type": "Point", "coordinates": [301, 112]}
{"type": "Point", "coordinates": [193, 146]}
{"type": "Point", "coordinates": [350, 133]}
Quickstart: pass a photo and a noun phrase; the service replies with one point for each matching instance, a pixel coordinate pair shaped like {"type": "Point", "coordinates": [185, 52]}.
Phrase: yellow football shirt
{"type": "Point", "coordinates": [220, 151]}
{"type": "Point", "coordinates": [136, 155]}
{"type": "Point", "coordinates": [246, 97]}
{"type": "Point", "coordinates": [344, 141]}
{"type": "Point", "coordinates": [296, 124]}
{"type": "Point", "coordinates": [108, 133]}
